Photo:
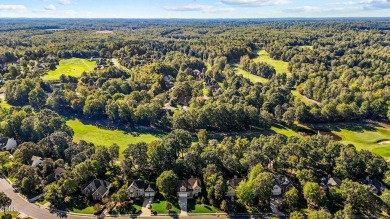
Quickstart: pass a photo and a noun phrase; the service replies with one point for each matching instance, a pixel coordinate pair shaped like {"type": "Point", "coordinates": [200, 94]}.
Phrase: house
{"type": "Point", "coordinates": [375, 185]}
{"type": "Point", "coordinates": [283, 182]}
{"type": "Point", "coordinates": [55, 176]}
{"type": "Point", "coordinates": [36, 161]}
{"type": "Point", "coordinates": [98, 189]}
{"type": "Point", "coordinates": [276, 190]}
{"type": "Point", "coordinates": [329, 182]}
{"type": "Point", "coordinates": [100, 67]}
{"type": "Point", "coordinates": [7, 144]}
{"type": "Point", "coordinates": [100, 61]}
{"type": "Point", "coordinates": [232, 185]}
{"type": "Point", "coordinates": [189, 188]}
{"type": "Point", "coordinates": [140, 188]}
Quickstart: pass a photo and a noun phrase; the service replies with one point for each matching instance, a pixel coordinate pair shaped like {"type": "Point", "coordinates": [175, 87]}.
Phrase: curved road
{"type": "Point", "coordinates": [24, 207]}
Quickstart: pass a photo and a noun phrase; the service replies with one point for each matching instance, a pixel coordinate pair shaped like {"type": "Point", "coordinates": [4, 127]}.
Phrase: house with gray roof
{"type": "Point", "coordinates": [189, 188]}
{"type": "Point", "coordinates": [141, 188]}
{"type": "Point", "coordinates": [98, 189]}
{"type": "Point", "coordinates": [232, 185]}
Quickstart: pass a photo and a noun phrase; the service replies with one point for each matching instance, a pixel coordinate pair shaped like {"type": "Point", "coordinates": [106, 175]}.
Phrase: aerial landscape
{"type": "Point", "coordinates": [195, 109]}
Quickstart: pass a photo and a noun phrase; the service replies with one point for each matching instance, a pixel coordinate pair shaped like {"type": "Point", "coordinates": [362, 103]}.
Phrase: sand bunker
{"type": "Point", "coordinates": [384, 141]}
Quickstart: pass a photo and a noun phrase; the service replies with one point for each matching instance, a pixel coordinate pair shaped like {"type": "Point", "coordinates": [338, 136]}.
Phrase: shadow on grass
{"type": "Point", "coordinates": [75, 203]}
{"type": "Point", "coordinates": [356, 126]}
{"type": "Point", "coordinates": [108, 125]}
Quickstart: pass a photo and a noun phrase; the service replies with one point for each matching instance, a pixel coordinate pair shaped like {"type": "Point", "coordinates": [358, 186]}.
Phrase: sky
{"type": "Point", "coordinates": [193, 8]}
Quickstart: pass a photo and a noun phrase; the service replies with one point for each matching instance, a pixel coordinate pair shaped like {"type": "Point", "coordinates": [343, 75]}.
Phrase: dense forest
{"type": "Point", "coordinates": [181, 77]}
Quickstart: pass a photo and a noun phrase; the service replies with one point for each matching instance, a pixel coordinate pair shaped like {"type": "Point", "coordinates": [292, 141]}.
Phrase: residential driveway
{"type": "Point", "coordinates": [146, 211]}
{"type": "Point", "coordinates": [183, 206]}
{"type": "Point", "coordinates": [31, 210]}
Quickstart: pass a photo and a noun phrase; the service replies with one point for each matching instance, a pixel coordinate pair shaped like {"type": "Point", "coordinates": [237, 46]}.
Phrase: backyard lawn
{"type": "Point", "coordinates": [107, 137]}
{"type": "Point", "coordinates": [73, 67]}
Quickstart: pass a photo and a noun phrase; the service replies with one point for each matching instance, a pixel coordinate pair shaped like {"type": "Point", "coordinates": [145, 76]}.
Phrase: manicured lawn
{"type": "Point", "coordinates": [42, 201]}
{"type": "Point", "coordinates": [304, 99]}
{"type": "Point", "coordinates": [107, 137]}
{"type": "Point", "coordinates": [194, 208]}
{"type": "Point", "coordinates": [87, 210]}
{"type": "Point", "coordinates": [160, 207]}
{"type": "Point", "coordinates": [284, 130]}
{"type": "Point", "coordinates": [74, 67]}
{"type": "Point", "coordinates": [364, 135]}
{"type": "Point", "coordinates": [279, 65]}
{"type": "Point", "coordinates": [253, 78]}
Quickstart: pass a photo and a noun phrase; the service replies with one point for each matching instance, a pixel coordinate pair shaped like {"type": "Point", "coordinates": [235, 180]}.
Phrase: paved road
{"type": "Point", "coordinates": [24, 207]}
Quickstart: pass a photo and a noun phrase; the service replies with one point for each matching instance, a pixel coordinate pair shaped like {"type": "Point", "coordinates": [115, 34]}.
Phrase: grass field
{"type": "Point", "coordinates": [284, 131]}
{"type": "Point", "coordinates": [194, 208]}
{"type": "Point", "coordinates": [262, 56]}
{"type": "Point", "coordinates": [279, 65]}
{"type": "Point", "coordinates": [251, 77]}
{"type": "Point", "coordinates": [160, 207]}
{"type": "Point", "coordinates": [364, 135]}
{"type": "Point", "coordinates": [87, 210]}
{"type": "Point", "coordinates": [106, 137]}
{"type": "Point", "coordinates": [304, 99]}
{"type": "Point", "coordinates": [73, 67]}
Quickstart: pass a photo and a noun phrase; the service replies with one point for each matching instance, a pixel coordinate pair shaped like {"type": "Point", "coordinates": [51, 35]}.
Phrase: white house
{"type": "Point", "coordinates": [7, 144]}
{"type": "Point", "coordinates": [36, 161]}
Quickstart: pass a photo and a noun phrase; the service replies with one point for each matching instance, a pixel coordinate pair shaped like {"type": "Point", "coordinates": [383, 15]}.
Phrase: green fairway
{"type": "Point", "coordinates": [304, 99]}
{"type": "Point", "coordinates": [364, 135]}
{"type": "Point", "coordinates": [251, 77]}
{"type": "Point", "coordinates": [279, 65]}
{"type": "Point", "coordinates": [106, 137]}
{"type": "Point", "coordinates": [73, 67]}
{"type": "Point", "coordinates": [282, 130]}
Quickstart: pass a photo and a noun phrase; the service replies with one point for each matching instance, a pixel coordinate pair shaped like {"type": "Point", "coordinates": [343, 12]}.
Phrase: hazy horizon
{"type": "Point", "coordinates": [194, 9]}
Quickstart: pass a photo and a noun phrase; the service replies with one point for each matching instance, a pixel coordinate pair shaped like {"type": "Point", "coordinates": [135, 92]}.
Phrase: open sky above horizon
{"type": "Point", "coordinates": [193, 8]}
